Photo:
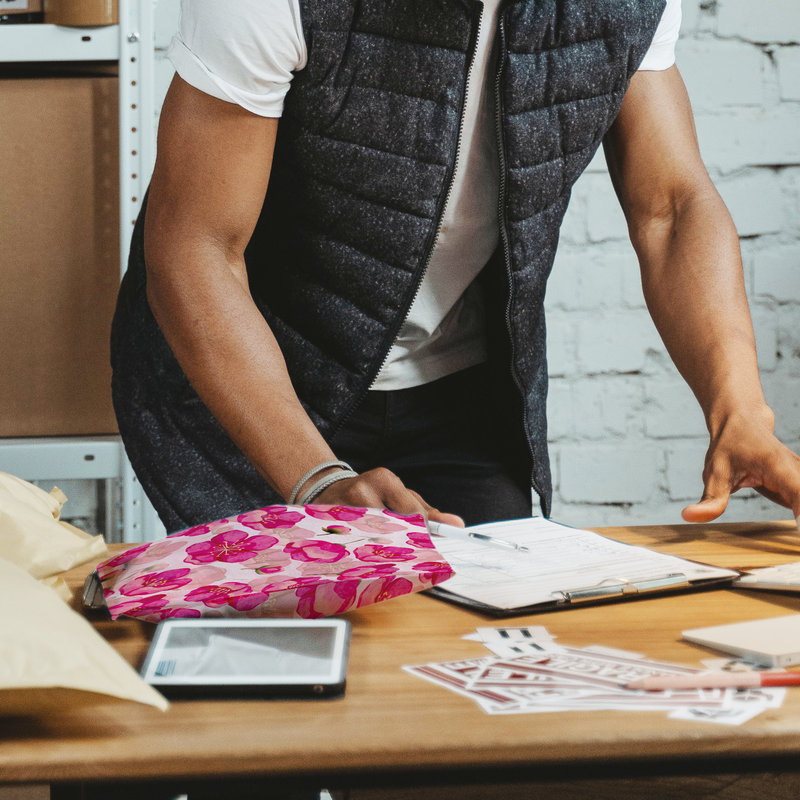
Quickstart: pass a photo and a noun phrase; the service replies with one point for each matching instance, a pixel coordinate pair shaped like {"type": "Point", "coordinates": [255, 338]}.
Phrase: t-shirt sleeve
{"type": "Point", "coordinates": [661, 54]}
{"type": "Point", "coordinates": [240, 51]}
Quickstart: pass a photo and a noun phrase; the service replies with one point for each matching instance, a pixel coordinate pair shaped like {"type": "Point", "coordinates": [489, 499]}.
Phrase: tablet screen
{"type": "Point", "coordinates": [247, 651]}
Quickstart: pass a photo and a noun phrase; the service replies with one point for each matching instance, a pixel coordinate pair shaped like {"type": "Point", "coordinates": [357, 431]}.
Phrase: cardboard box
{"type": "Point", "coordinates": [81, 12]}
{"type": "Point", "coordinates": [59, 254]}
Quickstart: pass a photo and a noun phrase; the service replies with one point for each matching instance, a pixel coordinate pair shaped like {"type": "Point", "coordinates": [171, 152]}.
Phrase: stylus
{"type": "Point", "coordinates": [717, 680]}
{"type": "Point", "coordinates": [442, 529]}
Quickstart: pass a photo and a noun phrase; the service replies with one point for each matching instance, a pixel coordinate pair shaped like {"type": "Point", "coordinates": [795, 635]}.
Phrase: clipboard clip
{"type": "Point", "coordinates": [613, 587]}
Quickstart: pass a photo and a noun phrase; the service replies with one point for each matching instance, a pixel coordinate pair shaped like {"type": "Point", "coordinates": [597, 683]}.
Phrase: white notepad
{"type": "Point", "coordinates": [773, 642]}
{"type": "Point", "coordinates": [533, 564]}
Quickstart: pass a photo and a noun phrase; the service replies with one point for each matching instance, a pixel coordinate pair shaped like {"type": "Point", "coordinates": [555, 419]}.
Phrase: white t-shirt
{"type": "Point", "coordinates": [247, 55]}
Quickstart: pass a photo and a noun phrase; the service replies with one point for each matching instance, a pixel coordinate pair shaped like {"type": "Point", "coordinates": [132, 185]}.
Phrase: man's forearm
{"type": "Point", "coordinates": [694, 287]}
{"type": "Point", "coordinates": [233, 361]}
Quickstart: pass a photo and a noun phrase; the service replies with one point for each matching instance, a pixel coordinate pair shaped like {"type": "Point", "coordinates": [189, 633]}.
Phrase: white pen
{"type": "Point", "coordinates": [442, 529]}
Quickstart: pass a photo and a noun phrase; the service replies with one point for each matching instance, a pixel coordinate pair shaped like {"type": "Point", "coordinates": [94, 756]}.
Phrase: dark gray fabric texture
{"type": "Point", "coordinates": [365, 153]}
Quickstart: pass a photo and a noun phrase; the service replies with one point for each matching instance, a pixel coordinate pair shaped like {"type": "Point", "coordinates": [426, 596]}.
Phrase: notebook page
{"type": "Point", "coordinates": [561, 559]}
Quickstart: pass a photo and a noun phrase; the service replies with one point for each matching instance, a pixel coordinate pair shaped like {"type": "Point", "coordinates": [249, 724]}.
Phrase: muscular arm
{"type": "Point", "coordinates": [208, 187]}
{"type": "Point", "coordinates": [694, 287]}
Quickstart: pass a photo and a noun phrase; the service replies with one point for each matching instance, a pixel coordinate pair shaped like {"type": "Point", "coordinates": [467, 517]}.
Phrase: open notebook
{"type": "Point", "coordinates": [528, 565]}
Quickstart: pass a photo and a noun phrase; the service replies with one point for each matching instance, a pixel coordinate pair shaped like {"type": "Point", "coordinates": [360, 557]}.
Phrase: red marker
{"type": "Point", "coordinates": [717, 680]}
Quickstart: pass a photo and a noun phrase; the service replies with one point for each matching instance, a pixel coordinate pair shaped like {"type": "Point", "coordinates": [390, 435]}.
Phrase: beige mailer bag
{"type": "Point", "coordinates": [48, 648]}
{"type": "Point", "coordinates": [33, 537]}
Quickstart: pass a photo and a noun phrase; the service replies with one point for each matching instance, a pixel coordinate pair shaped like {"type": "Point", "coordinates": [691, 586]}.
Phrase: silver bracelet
{"type": "Point", "coordinates": [323, 483]}
{"type": "Point", "coordinates": [292, 499]}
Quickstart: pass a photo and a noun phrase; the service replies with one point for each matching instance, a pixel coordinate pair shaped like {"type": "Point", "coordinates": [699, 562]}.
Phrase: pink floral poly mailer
{"type": "Point", "coordinates": [279, 561]}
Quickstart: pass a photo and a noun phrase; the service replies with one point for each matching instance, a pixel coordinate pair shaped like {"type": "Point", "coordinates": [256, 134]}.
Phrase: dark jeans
{"type": "Point", "coordinates": [452, 440]}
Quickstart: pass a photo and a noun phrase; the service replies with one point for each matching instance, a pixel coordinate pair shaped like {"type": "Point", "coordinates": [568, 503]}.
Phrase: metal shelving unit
{"type": "Point", "coordinates": [131, 44]}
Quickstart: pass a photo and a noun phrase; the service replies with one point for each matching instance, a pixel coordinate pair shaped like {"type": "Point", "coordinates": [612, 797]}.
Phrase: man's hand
{"type": "Point", "coordinates": [746, 454]}
{"type": "Point", "coordinates": [380, 488]}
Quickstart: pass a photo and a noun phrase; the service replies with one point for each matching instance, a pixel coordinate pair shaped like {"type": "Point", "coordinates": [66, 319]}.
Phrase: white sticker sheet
{"type": "Point", "coordinates": [530, 674]}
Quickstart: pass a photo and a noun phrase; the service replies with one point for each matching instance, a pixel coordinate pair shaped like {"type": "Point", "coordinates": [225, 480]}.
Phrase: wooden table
{"type": "Point", "coordinates": [395, 733]}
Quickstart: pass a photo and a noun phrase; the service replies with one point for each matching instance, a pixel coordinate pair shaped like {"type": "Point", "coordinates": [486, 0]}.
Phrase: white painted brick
{"type": "Point", "coordinates": [788, 61]}
{"type": "Point", "coordinates": [606, 407]}
{"type": "Point", "coordinates": [167, 16]}
{"type": "Point", "coordinates": [562, 285]}
{"type": "Point", "coordinates": [672, 411]}
{"type": "Point", "coordinates": [617, 342]}
{"type": "Point", "coordinates": [749, 137]}
{"type": "Point", "coordinates": [560, 345]}
{"type": "Point", "coordinates": [783, 396]}
{"type": "Point", "coordinates": [560, 410]}
{"type": "Point", "coordinates": [632, 296]}
{"type": "Point", "coordinates": [766, 343]}
{"type": "Point", "coordinates": [789, 340]}
{"type": "Point", "coordinates": [573, 228]}
{"type": "Point", "coordinates": [755, 202]}
{"type": "Point", "coordinates": [719, 74]}
{"type": "Point", "coordinates": [685, 472]}
{"type": "Point", "coordinates": [579, 280]}
{"type": "Point", "coordinates": [776, 274]}
{"type": "Point", "coordinates": [598, 163]}
{"type": "Point", "coordinates": [690, 17]}
{"type": "Point", "coordinates": [765, 21]}
{"type": "Point", "coordinates": [601, 474]}
{"type": "Point", "coordinates": [604, 217]}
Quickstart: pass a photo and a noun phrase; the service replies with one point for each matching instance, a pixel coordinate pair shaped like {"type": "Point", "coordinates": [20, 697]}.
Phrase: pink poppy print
{"type": "Point", "coordinates": [385, 589]}
{"type": "Point", "coordinates": [379, 553]}
{"type": "Point", "coordinates": [161, 549]}
{"type": "Point", "coordinates": [169, 613]}
{"type": "Point", "coordinates": [316, 550]}
{"type": "Point", "coordinates": [124, 558]}
{"type": "Point", "coordinates": [372, 571]}
{"type": "Point", "coordinates": [217, 594]}
{"type": "Point", "coordinates": [140, 605]}
{"type": "Point", "coordinates": [273, 517]}
{"type": "Point", "coordinates": [336, 513]}
{"type": "Point", "coordinates": [373, 523]}
{"type": "Point", "coordinates": [230, 546]}
{"type": "Point", "coordinates": [420, 539]}
{"type": "Point", "coordinates": [410, 519]}
{"type": "Point", "coordinates": [434, 569]}
{"type": "Point", "coordinates": [314, 561]}
{"type": "Point", "coordinates": [206, 574]}
{"type": "Point", "coordinates": [326, 598]}
{"type": "Point", "coordinates": [157, 581]}
{"type": "Point", "coordinates": [198, 530]}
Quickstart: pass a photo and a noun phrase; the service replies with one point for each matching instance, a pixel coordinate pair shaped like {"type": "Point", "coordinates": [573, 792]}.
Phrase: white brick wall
{"type": "Point", "coordinates": [627, 437]}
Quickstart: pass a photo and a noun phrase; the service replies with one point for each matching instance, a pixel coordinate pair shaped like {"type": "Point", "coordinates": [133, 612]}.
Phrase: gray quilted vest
{"type": "Point", "coordinates": [365, 154]}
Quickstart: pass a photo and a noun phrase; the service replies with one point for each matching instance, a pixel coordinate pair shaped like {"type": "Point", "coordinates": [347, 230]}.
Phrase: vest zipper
{"type": "Point", "coordinates": [442, 205]}
{"type": "Point", "coordinates": [501, 211]}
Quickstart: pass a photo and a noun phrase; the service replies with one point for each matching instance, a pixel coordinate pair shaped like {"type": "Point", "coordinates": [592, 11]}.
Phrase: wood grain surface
{"type": "Point", "coordinates": [392, 722]}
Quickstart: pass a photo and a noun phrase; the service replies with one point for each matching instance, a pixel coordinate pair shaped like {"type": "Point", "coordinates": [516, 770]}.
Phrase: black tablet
{"type": "Point", "coordinates": [227, 658]}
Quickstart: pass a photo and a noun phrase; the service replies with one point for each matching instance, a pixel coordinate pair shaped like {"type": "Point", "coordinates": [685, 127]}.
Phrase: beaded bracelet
{"type": "Point", "coordinates": [311, 473]}
{"type": "Point", "coordinates": [323, 483]}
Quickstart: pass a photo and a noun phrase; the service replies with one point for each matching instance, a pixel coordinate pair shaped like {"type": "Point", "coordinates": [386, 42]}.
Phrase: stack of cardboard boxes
{"type": "Point", "coordinates": [59, 250]}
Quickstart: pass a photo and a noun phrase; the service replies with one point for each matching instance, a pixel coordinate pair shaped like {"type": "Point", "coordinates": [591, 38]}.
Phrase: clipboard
{"type": "Point", "coordinates": [584, 568]}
